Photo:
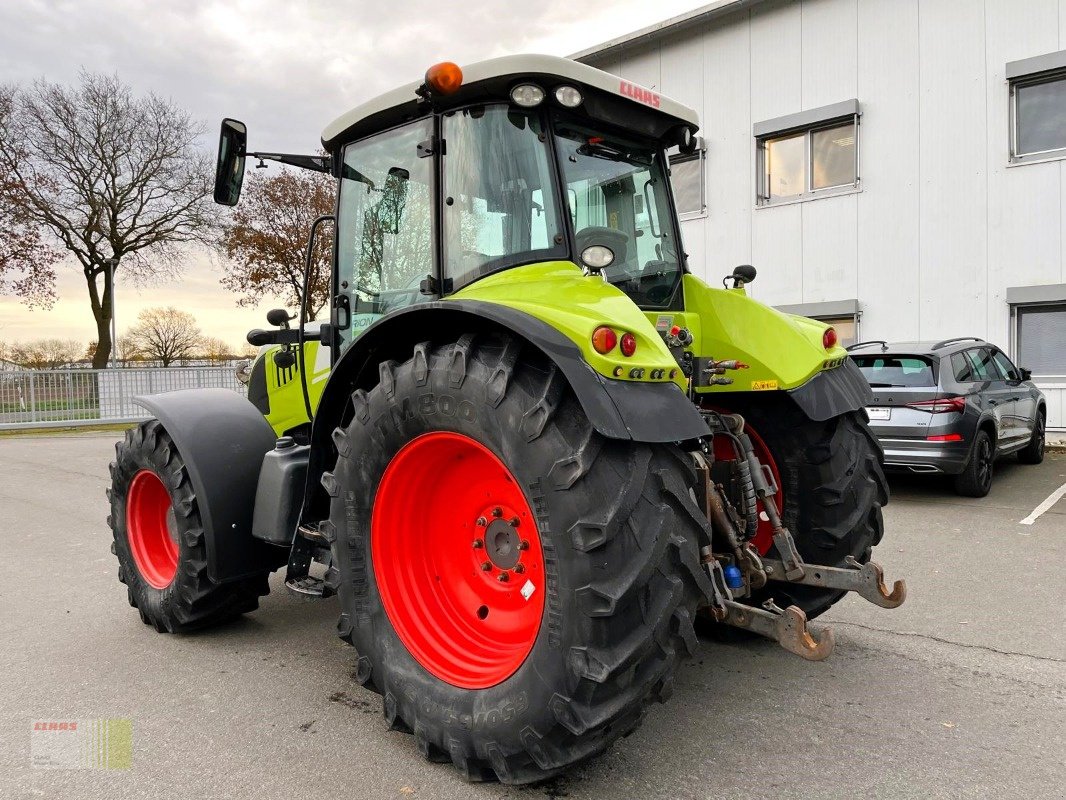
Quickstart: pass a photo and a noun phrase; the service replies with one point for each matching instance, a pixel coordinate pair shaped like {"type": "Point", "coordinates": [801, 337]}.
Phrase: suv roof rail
{"type": "Point", "coordinates": [882, 342]}
{"type": "Point", "coordinates": [946, 342]}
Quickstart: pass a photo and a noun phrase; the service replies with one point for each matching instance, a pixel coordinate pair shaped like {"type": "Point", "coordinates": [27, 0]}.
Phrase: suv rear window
{"type": "Point", "coordinates": [888, 370]}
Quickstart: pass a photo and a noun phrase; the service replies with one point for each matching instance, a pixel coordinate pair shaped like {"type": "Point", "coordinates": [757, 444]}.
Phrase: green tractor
{"type": "Point", "coordinates": [528, 451]}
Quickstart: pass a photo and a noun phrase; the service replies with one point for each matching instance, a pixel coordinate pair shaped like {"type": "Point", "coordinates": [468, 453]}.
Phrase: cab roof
{"type": "Point", "coordinates": [493, 79]}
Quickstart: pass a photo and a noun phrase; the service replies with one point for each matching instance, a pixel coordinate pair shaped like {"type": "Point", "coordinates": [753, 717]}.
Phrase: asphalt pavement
{"type": "Point", "coordinates": [959, 693]}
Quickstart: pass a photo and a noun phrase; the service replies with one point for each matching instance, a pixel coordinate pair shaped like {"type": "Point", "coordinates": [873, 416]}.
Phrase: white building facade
{"type": "Point", "coordinates": [895, 166]}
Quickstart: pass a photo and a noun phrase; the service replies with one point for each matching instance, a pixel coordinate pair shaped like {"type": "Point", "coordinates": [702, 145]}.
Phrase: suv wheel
{"type": "Point", "coordinates": [1033, 453]}
{"type": "Point", "coordinates": [976, 479]}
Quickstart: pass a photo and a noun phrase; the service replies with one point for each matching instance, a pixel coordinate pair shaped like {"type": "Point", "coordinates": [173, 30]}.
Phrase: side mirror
{"type": "Point", "coordinates": [1027, 374]}
{"type": "Point", "coordinates": [278, 317]}
{"type": "Point", "coordinates": [229, 171]}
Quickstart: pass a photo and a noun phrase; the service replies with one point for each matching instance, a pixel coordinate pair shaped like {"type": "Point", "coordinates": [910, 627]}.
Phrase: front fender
{"type": "Point", "coordinates": [222, 439]}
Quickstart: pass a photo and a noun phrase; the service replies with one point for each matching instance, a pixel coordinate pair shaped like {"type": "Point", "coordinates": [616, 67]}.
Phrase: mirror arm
{"type": "Point", "coordinates": [314, 163]}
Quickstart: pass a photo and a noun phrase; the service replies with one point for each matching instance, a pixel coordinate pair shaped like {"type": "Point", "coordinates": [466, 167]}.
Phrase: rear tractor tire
{"type": "Point", "coordinates": [159, 539]}
{"type": "Point", "coordinates": [832, 488]}
{"type": "Point", "coordinates": [517, 587]}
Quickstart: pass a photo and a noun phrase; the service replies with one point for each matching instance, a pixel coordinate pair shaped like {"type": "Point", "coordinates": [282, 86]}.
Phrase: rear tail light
{"type": "Point", "coordinates": [628, 345]}
{"type": "Point", "coordinates": [944, 405]}
{"type": "Point", "coordinates": [829, 338]}
{"type": "Point", "coordinates": [945, 437]}
{"type": "Point", "coordinates": [604, 340]}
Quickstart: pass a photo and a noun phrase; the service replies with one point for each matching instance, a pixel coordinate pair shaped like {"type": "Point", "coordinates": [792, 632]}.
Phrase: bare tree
{"type": "Point", "coordinates": [27, 259]}
{"type": "Point", "coordinates": [264, 244]}
{"type": "Point", "coordinates": [45, 353]}
{"type": "Point", "coordinates": [163, 334]}
{"type": "Point", "coordinates": [117, 179]}
{"type": "Point", "coordinates": [214, 349]}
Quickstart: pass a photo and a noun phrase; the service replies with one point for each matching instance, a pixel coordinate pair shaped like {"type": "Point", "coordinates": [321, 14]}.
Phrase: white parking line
{"type": "Point", "coordinates": [1053, 498]}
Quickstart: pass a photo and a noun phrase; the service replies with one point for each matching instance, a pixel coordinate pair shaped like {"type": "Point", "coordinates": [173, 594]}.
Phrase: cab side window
{"type": "Point", "coordinates": [1005, 366]}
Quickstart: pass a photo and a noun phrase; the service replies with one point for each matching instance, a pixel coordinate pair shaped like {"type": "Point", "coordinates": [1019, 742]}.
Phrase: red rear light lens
{"type": "Point", "coordinates": [943, 406]}
{"type": "Point", "coordinates": [945, 437]}
{"type": "Point", "coordinates": [604, 340]}
{"type": "Point", "coordinates": [628, 344]}
{"type": "Point", "coordinates": [829, 338]}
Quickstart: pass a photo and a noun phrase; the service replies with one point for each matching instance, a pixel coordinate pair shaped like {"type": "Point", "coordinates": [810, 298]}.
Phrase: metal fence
{"type": "Point", "coordinates": [36, 398]}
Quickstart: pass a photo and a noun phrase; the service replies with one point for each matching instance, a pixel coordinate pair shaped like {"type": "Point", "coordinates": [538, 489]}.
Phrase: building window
{"type": "Point", "coordinates": [1038, 108]}
{"type": "Point", "coordinates": [687, 180]}
{"type": "Point", "coordinates": [1041, 339]}
{"type": "Point", "coordinates": [843, 315]}
{"type": "Point", "coordinates": [807, 155]}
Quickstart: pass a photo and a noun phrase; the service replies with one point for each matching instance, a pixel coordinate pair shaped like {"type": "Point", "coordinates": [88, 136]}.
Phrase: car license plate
{"type": "Point", "coordinates": [879, 412]}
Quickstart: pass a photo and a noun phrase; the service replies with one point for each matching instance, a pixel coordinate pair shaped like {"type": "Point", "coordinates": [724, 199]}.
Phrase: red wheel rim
{"type": "Point", "coordinates": [449, 519]}
{"type": "Point", "coordinates": [151, 529]}
{"type": "Point", "coordinates": [723, 451]}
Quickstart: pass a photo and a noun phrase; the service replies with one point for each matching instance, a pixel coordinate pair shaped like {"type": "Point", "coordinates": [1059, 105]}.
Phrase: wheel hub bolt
{"type": "Point", "coordinates": [486, 565]}
{"type": "Point", "coordinates": [519, 568]}
{"type": "Point", "coordinates": [515, 522]}
{"type": "Point", "coordinates": [478, 544]}
{"type": "Point", "coordinates": [482, 522]}
{"type": "Point", "coordinates": [523, 545]}
{"type": "Point", "coordinates": [497, 512]}
{"type": "Point", "coordinates": [502, 577]}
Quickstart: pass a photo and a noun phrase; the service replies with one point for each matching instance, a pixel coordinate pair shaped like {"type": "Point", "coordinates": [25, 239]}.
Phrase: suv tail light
{"type": "Point", "coordinates": [944, 405]}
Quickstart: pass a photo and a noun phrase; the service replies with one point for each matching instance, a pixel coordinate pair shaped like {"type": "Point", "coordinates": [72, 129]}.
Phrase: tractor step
{"type": "Point", "coordinates": [866, 580]}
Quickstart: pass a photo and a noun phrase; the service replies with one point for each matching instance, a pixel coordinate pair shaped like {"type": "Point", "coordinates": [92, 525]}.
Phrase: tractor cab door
{"type": "Point", "coordinates": [385, 240]}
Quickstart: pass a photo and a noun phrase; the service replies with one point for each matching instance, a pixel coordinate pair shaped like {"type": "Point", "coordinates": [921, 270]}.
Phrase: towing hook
{"type": "Point", "coordinates": [787, 627]}
{"type": "Point", "coordinates": [873, 585]}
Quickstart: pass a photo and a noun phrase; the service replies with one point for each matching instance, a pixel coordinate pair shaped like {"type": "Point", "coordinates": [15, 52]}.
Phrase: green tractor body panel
{"type": "Point", "coordinates": [559, 294]}
{"type": "Point", "coordinates": [783, 351]}
{"type": "Point", "coordinates": [283, 405]}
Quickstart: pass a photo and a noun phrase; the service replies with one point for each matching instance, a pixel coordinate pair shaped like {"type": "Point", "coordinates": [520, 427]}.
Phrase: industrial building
{"type": "Point", "coordinates": [895, 166]}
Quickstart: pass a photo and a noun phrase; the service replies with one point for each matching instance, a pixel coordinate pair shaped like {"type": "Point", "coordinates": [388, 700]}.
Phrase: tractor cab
{"type": "Point", "coordinates": [509, 162]}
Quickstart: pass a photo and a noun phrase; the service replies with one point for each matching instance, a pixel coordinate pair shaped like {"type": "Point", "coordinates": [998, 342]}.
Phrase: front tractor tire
{"type": "Point", "coordinates": [159, 539]}
{"type": "Point", "coordinates": [517, 587]}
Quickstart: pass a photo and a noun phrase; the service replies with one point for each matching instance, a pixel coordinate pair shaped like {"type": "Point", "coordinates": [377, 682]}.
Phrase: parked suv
{"type": "Point", "coordinates": [951, 407]}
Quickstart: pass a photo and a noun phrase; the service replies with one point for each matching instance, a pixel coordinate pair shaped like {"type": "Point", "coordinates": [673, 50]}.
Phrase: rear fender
{"type": "Point", "coordinates": [628, 410]}
{"type": "Point", "coordinates": [222, 439]}
{"type": "Point", "coordinates": [783, 352]}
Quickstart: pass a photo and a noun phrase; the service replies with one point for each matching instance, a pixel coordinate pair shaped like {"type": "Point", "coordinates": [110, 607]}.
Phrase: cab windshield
{"type": "Point", "coordinates": [617, 197]}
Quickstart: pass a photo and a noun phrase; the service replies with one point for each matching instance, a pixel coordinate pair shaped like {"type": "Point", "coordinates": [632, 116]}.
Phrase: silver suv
{"type": "Point", "coordinates": [951, 407]}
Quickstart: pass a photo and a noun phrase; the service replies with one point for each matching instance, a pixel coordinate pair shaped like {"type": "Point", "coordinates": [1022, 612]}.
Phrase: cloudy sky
{"type": "Point", "coordinates": [286, 69]}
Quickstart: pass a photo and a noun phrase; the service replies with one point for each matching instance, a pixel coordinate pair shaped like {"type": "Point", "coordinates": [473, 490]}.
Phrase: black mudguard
{"type": "Point", "coordinates": [642, 412]}
{"type": "Point", "coordinates": [222, 438]}
{"type": "Point", "coordinates": [833, 392]}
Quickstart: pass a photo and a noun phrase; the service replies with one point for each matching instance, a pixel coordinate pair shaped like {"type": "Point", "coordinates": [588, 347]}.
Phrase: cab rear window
{"type": "Point", "coordinates": [886, 370]}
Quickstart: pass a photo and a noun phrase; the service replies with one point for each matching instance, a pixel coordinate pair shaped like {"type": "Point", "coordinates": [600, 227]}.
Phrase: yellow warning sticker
{"type": "Point", "coordinates": [762, 386]}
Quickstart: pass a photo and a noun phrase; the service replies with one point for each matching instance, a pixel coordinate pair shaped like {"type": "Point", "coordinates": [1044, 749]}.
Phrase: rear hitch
{"type": "Point", "coordinates": [866, 580]}
{"type": "Point", "coordinates": [787, 627]}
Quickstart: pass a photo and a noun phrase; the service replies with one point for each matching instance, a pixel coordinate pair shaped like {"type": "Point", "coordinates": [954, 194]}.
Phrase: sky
{"type": "Point", "coordinates": [286, 69]}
